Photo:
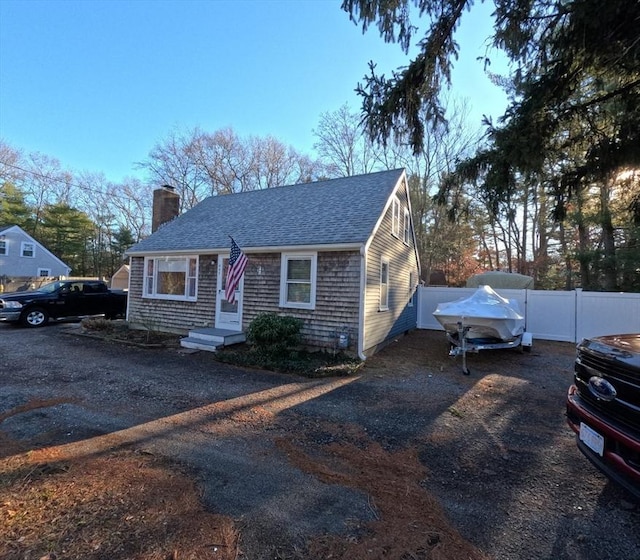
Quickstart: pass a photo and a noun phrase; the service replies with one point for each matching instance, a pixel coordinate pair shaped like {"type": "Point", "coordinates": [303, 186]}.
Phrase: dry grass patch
{"type": "Point", "coordinates": [409, 523]}
{"type": "Point", "coordinates": [119, 331]}
{"type": "Point", "coordinates": [124, 505]}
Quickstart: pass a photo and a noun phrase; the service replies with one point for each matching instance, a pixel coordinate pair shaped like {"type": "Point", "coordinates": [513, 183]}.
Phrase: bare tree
{"type": "Point", "coordinates": [171, 162]}
{"type": "Point", "coordinates": [10, 159]}
{"type": "Point", "coordinates": [223, 160]}
{"type": "Point", "coordinates": [445, 226]}
{"type": "Point", "coordinates": [200, 164]}
{"type": "Point", "coordinates": [131, 202]}
{"type": "Point", "coordinates": [43, 182]}
{"type": "Point", "coordinates": [343, 145]}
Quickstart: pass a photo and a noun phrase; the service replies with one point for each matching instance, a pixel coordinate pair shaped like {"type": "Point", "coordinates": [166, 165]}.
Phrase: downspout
{"type": "Point", "coordinates": [363, 297]}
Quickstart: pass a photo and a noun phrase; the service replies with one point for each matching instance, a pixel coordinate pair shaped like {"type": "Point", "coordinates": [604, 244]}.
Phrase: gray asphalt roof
{"type": "Point", "coordinates": [337, 211]}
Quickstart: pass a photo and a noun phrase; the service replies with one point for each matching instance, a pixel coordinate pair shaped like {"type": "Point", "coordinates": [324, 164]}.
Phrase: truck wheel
{"type": "Point", "coordinates": [34, 317]}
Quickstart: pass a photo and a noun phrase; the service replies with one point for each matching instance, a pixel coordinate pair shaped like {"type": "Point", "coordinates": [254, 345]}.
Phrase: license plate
{"type": "Point", "coordinates": [592, 439]}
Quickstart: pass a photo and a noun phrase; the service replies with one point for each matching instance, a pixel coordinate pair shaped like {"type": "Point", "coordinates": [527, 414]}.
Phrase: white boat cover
{"type": "Point", "coordinates": [486, 313]}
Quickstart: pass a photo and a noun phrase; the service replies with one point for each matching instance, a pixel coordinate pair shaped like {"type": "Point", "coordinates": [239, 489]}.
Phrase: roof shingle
{"type": "Point", "coordinates": [334, 212]}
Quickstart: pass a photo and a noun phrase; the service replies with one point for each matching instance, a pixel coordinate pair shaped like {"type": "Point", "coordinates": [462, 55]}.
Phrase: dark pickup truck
{"type": "Point", "coordinates": [603, 406]}
{"type": "Point", "coordinates": [62, 300]}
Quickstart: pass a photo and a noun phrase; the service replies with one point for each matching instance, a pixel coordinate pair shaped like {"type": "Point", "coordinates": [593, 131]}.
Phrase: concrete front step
{"type": "Point", "coordinates": [199, 344]}
{"type": "Point", "coordinates": [210, 339]}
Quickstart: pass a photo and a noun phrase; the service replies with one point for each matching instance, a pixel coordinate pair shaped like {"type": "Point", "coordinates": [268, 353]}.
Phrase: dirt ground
{"type": "Point", "coordinates": [112, 451]}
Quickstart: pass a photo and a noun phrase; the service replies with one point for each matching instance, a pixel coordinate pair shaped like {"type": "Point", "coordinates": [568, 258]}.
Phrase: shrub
{"type": "Point", "coordinates": [274, 335]}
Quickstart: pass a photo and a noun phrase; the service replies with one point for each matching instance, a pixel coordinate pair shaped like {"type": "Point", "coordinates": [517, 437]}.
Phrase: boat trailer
{"type": "Point", "coordinates": [460, 344]}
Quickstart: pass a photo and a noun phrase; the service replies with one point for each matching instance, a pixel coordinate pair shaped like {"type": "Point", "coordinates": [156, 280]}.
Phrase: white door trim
{"type": "Point", "coordinates": [228, 316]}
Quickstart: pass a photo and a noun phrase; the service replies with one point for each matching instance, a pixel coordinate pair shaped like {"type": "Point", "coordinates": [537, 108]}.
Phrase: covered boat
{"type": "Point", "coordinates": [483, 315]}
{"type": "Point", "coordinates": [483, 321]}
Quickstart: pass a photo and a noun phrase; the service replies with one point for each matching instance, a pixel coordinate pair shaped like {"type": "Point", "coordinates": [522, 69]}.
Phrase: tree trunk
{"type": "Point", "coordinates": [584, 248]}
{"type": "Point", "coordinates": [609, 267]}
{"type": "Point", "coordinates": [568, 282]}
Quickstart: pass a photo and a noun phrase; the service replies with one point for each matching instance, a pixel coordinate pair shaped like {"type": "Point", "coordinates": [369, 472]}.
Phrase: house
{"type": "Point", "coordinates": [339, 254]}
{"type": "Point", "coordinates": [25, 262]}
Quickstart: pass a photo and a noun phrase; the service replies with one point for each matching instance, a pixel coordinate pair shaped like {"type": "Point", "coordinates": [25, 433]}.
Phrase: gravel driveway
{"type": "Point", "coordinates": [487, 459]}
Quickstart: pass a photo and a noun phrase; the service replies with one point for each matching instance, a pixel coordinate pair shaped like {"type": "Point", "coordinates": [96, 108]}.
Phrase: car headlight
{"type": "Point", "coordinates": [12, 305]}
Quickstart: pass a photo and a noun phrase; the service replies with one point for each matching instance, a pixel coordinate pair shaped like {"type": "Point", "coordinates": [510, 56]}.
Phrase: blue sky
{"type": "Point", "coordinates": [96, 83]}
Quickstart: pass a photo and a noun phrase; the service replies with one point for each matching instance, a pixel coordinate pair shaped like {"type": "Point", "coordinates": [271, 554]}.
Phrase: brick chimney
{"type": "Point", "coordinates": [166, 206]}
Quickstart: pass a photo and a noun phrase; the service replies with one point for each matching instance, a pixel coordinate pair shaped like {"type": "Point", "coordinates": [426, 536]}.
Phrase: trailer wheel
{"type": "Point", "coordinates": [34, 317]}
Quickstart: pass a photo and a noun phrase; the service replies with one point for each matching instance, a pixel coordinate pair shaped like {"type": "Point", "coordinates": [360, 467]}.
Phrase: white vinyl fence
{"type": "Point", "coordinates": [550, 315]}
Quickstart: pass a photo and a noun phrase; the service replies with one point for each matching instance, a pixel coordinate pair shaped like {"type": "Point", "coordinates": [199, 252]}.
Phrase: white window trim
{"type": "Point", "coordinates": [154, 279]}
{"type": "Point", "coordinates": [395, 217]}
{"type": "Point", "coordinates": [24, 244]}
{"type": "Point", "coordinates": [6, 247]}
{"type": "Point", "coordinates": [313, 257]}
{"type": "Point", "coordinates": [384, 305]}
{"type": "Point", "coordinates": [41, 272]}
{"type": "Point", "coordinates": [407, 228]}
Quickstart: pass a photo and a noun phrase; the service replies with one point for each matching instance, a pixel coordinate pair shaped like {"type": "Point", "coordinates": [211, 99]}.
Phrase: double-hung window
{"type": "Point", "coordinates": [384, 284]}
{"type": "Point", "coordinates": [171, 278]}
{"type": "Point", "coordinates": [28, 249]}
{"type": "Point", "coordinates": [298, 280]}
{"type": "Point", "coordinates": [407, 224]}
{"type": "Point", "coordinates": [3, 247]}
{"type": "Point", "coordinates": [395, 216]}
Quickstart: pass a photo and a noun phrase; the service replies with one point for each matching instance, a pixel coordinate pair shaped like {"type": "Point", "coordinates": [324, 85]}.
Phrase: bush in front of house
{"type": "Point", "coordinates": [275, 336]}
{"type": "Point", "coordinates": [300, 362]}
{"type": "Point", "coordinates": [274, 343]}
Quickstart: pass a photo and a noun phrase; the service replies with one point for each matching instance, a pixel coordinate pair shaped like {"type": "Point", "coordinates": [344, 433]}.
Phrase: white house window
{"type": "Point", "coordinates": [3, 247]}
{"type": "Point", "coordinates": [395, 216]}
{"type": "Point", "coordinates": [44, 272]}
{"type": "Point", "coordinates": [407, 223]}
{"type": "Point", "coordinates": [298, 280]}
{"type": "Point", "coordinates": [28, 249]}
{"type": "Point", "coordinates": [171, 278]}
{"type": "Point", "coordinates": [384, 284]}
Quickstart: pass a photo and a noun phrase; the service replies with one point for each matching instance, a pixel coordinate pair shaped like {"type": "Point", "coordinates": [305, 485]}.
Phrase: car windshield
{"type": "Point", "coordinates": [50, 288]}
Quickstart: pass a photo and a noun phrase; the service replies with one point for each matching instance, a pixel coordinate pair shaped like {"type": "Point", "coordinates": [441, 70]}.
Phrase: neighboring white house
{"type": "Point", "coordinates": [24, 260]}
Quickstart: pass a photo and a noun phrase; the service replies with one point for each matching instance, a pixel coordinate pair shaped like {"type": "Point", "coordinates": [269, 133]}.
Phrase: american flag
{"type": "Point", "coordinates": [237, 264]}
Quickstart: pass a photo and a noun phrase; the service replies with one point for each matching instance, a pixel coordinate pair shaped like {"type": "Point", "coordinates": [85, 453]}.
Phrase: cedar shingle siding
{"type": "Point", "coordinates": [336, 310]}
{"type": "Point", "coordinates": [337, 296]}
{"type": "Point", "coordinates": [168, 315]}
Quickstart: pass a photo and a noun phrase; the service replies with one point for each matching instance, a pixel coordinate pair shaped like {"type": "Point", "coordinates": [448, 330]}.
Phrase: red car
{"type": "Point", "coordinates": [603, 406]}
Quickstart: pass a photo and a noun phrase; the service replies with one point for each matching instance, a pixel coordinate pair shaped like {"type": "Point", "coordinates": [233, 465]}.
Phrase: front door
{"type": "Point", "coordinates": [228, 315]}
